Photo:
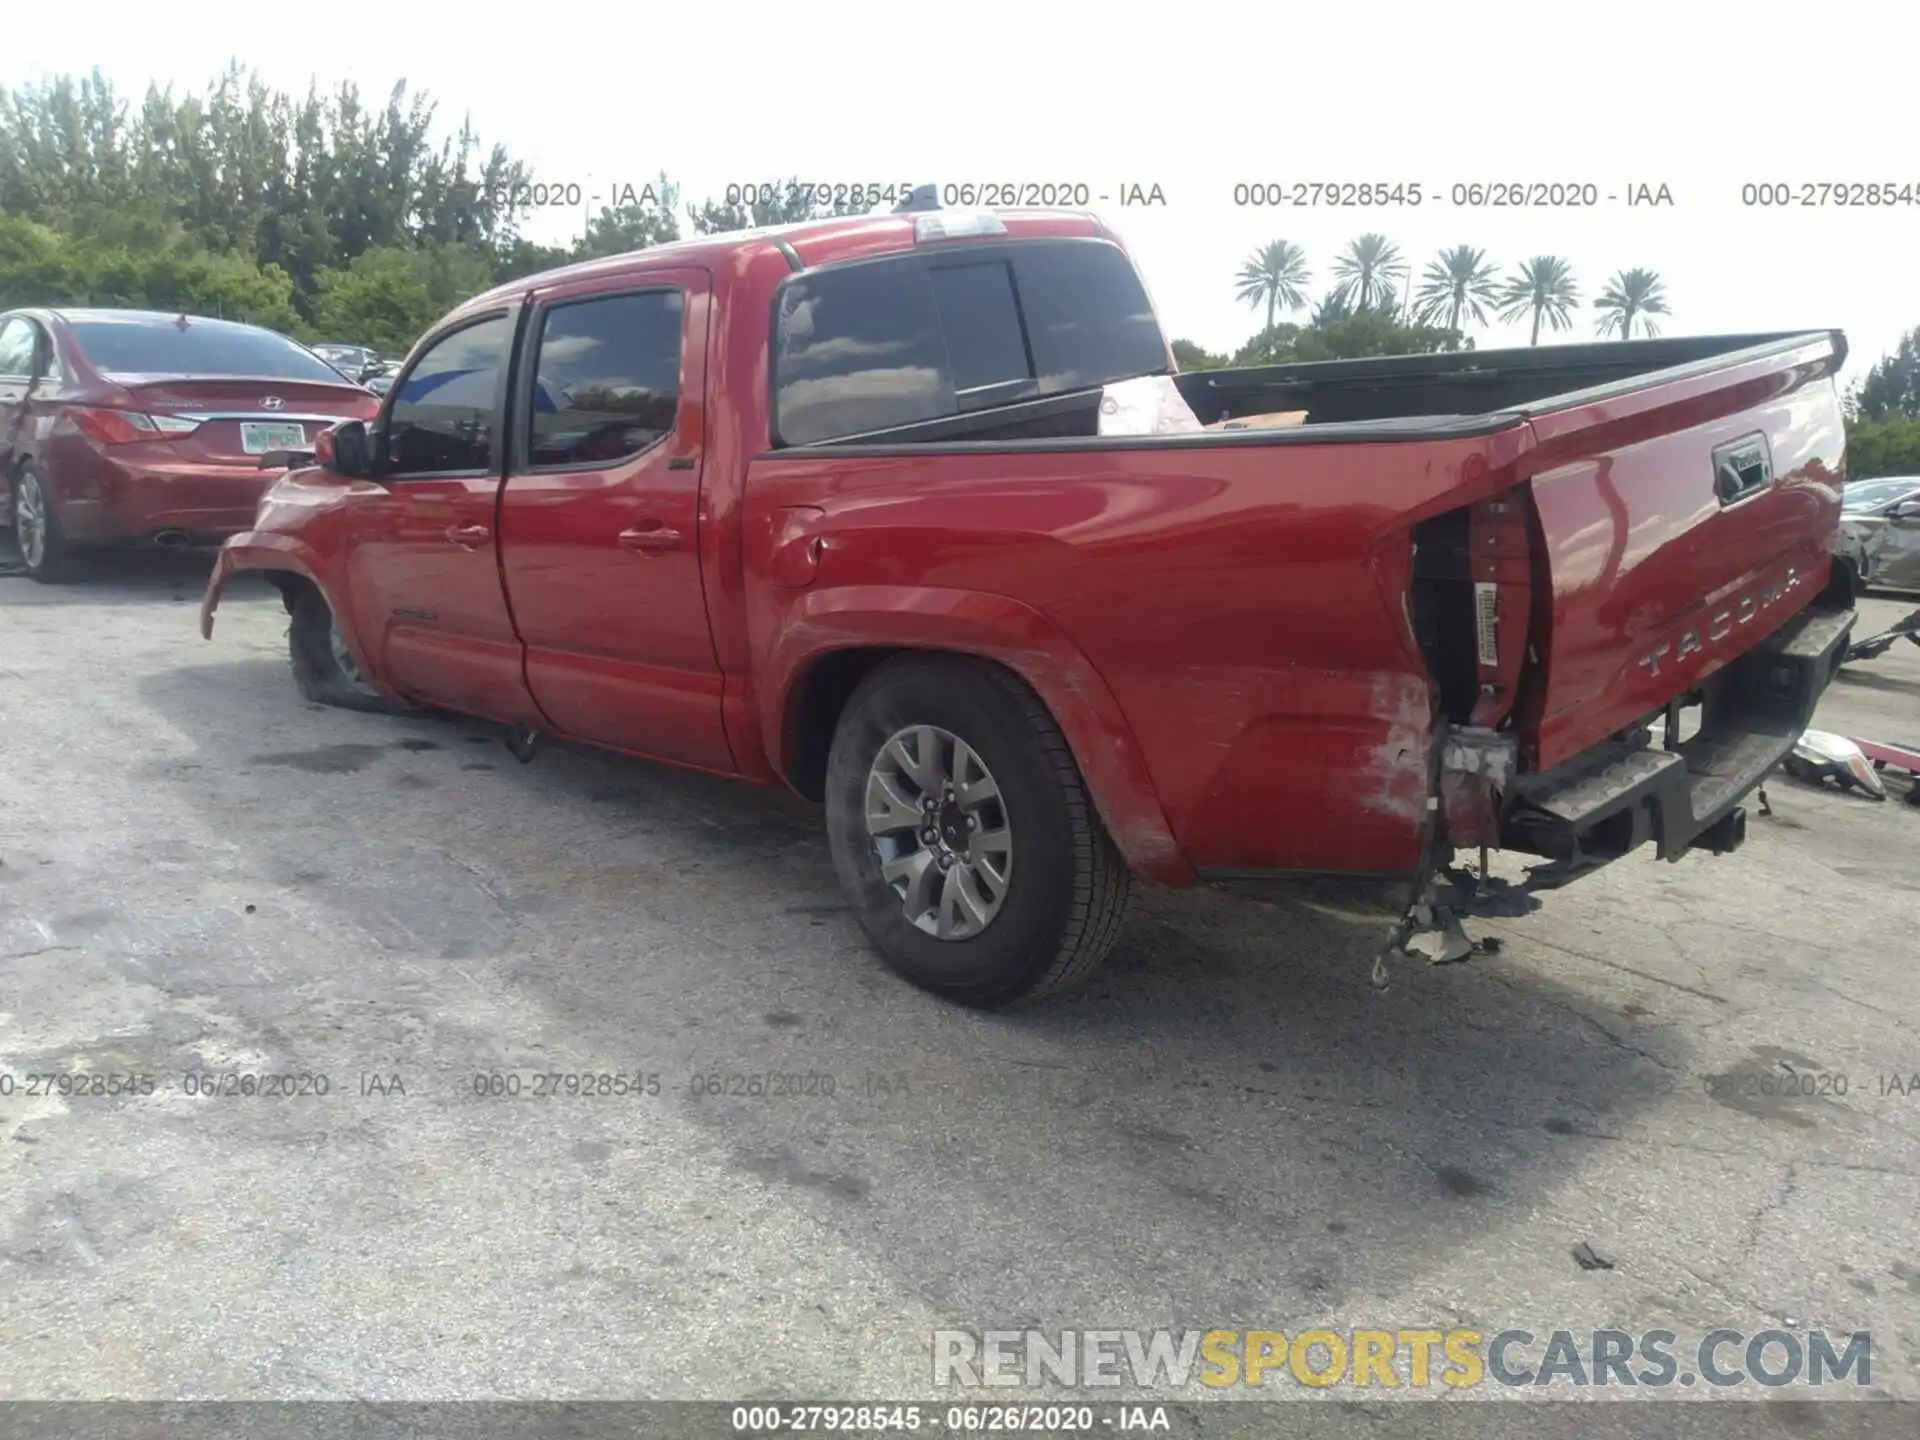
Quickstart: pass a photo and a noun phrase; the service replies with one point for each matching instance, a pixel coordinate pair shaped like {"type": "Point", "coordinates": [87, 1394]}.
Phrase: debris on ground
{"type": "Point", "coordinates": [1586, 1258]}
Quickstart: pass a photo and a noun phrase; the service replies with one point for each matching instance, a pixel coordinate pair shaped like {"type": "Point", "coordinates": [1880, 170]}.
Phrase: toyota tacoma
{"type": "Point", "coordinates": [839, 507]}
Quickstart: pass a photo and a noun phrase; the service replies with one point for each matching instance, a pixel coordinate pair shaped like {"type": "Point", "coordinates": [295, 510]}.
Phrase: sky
{"type": "Point", "coordinates": [1195, 100]}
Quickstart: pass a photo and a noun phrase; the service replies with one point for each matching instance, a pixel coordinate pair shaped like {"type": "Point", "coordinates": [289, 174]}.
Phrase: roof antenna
{"type": "Point", "coordinates": [921, 197]}
{"type": "Point", "coordinates": [183, 322]}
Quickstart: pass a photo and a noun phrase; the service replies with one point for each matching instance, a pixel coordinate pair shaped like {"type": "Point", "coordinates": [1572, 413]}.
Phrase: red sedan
{"type": "Point", "coordinates": [132, 427]}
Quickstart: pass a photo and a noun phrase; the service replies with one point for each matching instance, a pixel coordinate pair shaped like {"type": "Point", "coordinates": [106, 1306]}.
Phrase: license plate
{"type": "Point", "coordinates": [260, 439]}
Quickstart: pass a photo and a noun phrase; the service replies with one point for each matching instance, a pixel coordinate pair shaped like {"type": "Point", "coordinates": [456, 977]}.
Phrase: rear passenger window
{"type": "Point", "coordinates": [859, 349]}
{"type": "Point", "coordinates": [442, 420]}
{"type": "Point", "coordinates": [880, 344]}
{"type": "Point", "coordinates": [606, 378]}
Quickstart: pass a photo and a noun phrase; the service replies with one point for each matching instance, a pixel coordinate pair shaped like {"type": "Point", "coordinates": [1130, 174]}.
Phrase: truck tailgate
{"type": "Point", "coordinates": [1682, 519]}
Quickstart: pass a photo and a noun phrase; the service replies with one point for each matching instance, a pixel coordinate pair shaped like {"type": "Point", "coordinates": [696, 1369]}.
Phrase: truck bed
{"type": "Point", "coordinates": [1409, 391]}
{"type": "Point", "coordinates": [1402, 397]}
{"type": "Point", "coordinates": [1551, 544]}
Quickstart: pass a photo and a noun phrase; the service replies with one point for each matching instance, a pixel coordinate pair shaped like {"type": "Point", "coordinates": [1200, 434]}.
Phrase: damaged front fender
{"type": "Point", "coordinates": [254, 550]}
{"type": "Point", "coordinates": [216, 587]}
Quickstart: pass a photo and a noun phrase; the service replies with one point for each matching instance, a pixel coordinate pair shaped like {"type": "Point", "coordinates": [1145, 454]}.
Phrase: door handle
{"type": "Point", "coordinates": [650, 539]}
{"type": "Point", "coordinates": [469, 537]}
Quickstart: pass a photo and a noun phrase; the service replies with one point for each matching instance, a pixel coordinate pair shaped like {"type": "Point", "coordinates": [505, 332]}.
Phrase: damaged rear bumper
{"type": "Point", "coordinates": [1616, 797]}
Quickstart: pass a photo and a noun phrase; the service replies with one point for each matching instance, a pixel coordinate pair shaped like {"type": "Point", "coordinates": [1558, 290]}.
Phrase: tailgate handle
{"type": "Point", "coordinates": [1741, 467]}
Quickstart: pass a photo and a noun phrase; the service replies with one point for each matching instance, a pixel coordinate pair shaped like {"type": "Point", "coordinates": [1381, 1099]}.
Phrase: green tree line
{"type": "Point", "coordinates": [321, 215]}
{"type": "Point", "coordinates": [1883, 415]}
{"type": "Point", "coordinates": [329, 217]}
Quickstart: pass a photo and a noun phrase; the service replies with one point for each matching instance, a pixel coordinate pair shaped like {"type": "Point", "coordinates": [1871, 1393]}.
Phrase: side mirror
{"type": "Point", "coordinates": [1906, 510]}
{"type": "Point", "coordinates": [345, 449]}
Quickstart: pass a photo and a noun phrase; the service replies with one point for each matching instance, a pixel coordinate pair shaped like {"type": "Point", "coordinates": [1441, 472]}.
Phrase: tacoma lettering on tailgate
{"type": "Point", "coordinates": [1695, 639]}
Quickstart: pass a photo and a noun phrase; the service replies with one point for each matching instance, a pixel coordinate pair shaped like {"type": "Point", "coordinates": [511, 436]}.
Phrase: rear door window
{"type": "Point", "coordinates": [606, 378]}
{"type": "Point", "coordinates": [877, 344]}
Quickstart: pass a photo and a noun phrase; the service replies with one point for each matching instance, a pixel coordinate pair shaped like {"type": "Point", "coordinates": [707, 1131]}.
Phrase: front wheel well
{"type": "Point", "coordinates": [291, 585]}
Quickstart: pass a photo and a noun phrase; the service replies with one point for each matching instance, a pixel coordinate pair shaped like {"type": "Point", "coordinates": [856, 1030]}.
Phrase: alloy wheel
{"type": "Point", "coordinates": [30, 520]}
{"type": "Point", "coordinates": [940, 830]}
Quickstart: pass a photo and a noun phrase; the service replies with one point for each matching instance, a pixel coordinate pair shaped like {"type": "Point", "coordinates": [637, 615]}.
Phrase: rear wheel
{"type": "Point", "coordinates": [963, 833]}
{"type": "Point", "coordinates": [324, 669]}
{"type": "Point", "coordinates": [45, 554]}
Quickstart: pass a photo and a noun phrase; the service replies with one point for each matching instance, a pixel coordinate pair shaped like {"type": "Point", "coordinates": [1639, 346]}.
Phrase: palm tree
{"type": "Point", "coordinates": [1457, 286]}
{"type": "Point", "coordinates": [1332, 309]}
{"type": "Point", "coordinates": [1630, 299]}
{"type": "Point", "coordinates": [1543, 288]}
{"type": "Point", "coordinates": [1276, 274]}
{"type": "Point", "coordinates": [1367, 271]}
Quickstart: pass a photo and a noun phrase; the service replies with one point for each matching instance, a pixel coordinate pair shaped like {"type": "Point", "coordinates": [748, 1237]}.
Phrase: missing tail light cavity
{"type": "Point", "coordinates": [1446, 617]}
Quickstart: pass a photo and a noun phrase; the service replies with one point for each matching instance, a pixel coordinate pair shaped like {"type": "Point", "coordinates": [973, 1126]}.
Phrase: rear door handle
{"type": "Point", "coordinates": [469, 537]}
{"type": "Point", "coordinates": [650, 539]}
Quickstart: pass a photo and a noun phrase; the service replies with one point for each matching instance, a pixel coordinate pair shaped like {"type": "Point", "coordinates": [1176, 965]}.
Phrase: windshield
{"type": "Point", "coordinates": [145, 346]}
{"type": "Point", "coordinates": [1872, 494]}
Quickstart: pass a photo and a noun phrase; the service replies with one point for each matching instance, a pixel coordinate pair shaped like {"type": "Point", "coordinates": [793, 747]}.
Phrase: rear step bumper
{"type": "Point", "coordinates": [1618, 796]}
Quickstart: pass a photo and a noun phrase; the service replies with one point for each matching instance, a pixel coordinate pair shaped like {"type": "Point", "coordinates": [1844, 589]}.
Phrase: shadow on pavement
{"type": "Point", "coordinates": [1231, 1087]}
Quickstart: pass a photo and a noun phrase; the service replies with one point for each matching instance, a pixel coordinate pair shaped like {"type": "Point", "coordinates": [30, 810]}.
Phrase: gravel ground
{"type": "Point", "coordinates": [199, 873]}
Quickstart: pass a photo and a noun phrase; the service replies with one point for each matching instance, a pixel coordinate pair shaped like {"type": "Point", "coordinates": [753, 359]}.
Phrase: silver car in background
{"type": "Point", "coordinates": [350, 360]}
{"type": "Point", "coordinates": [379, 376]}
{"type": "Point", "coordinates": [1880, 531]}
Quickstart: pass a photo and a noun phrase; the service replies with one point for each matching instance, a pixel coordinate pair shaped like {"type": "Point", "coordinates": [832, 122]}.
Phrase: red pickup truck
{"type": "Point", "coordinates": [829, 506]}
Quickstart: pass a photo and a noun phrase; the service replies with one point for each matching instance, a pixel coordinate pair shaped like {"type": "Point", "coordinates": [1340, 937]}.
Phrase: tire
{"type": "Point", "coordinates": [45, 553]}
{"type": "Point", "coordinates": [323, 670]}
{"type": "Point", "coordinates": [1062, 884]}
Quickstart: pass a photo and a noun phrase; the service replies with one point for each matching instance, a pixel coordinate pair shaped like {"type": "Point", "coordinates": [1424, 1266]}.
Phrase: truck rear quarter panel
{"type": "Point", "coordinates": [1243, 605]}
